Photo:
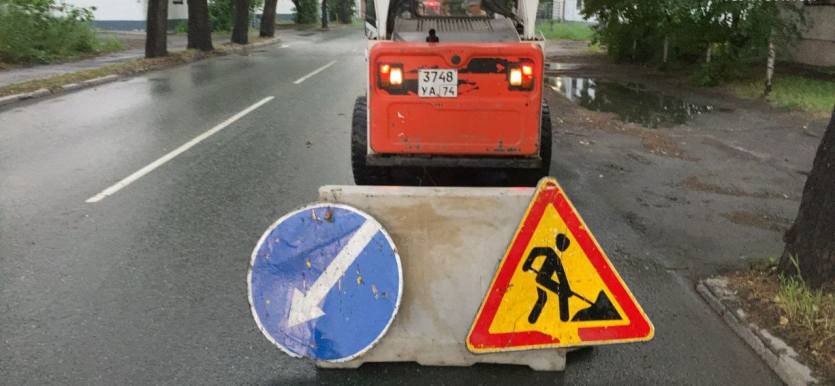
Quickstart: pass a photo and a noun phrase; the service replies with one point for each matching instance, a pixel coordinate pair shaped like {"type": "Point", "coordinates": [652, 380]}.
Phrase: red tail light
{"type": "Point", "coordinates": [520, 75]}
{"type": "Point", "coordinates": [390, 76]}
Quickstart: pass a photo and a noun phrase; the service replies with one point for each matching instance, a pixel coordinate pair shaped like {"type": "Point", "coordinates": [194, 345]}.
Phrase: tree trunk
{"type": "Point", "coordinates": [268, 19]}
{"type": "Point", "coordinates": [156, 27]}
{"type": "Point", "coordinates": [324, 13]}
{"type": "Point", "coordinates": [240, 32]}
{"type": "Point", "coordinates": [199, 29]}
{"type": "Point", "coordinates": [666, 48]}
{"type": "Point", "coordinates": [769, 68]}
{"type": "Point", "coordinates": [709, 52]}
{"type": "Point", "coordinates": [811, 240]}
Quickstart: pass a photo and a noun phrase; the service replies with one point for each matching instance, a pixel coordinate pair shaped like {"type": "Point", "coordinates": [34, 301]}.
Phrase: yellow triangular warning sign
{"type": "Point", "coordinates": [555, 287]}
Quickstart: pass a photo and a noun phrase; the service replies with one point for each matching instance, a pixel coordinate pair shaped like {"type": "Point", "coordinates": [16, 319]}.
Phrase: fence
{"type": "Point", "coordinates": [554, 11]}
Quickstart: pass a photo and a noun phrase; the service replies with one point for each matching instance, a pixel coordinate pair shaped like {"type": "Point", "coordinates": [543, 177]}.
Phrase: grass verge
{"type": "Point", "coordinates": [127, 68]}
{"type": "Point", "coordinates": [566, 31]}
{"type": "Point", "coordinates": [787, 308]}
{"type": "Point", "coordinates": [792, 92]}
{"type": "Point", "coordinates": [596, 49]}
{"type": "Point", "coordinates": [108, 44]}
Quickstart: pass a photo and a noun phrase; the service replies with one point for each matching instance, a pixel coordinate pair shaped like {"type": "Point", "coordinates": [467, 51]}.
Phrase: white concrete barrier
{"type": "Point", "coordinates": [450, 241]}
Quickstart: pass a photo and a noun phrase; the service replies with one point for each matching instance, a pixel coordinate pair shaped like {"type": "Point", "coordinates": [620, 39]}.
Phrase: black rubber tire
{"type": "Point", "coordinates": [364, 174]}
{"type": "Point", "coordinates": [529, 177]}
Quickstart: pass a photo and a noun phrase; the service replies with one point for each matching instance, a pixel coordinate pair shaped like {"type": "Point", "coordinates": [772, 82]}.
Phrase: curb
{"type": "Point", "coordinates": [779, 356]}
{"type": "Point", "coordinates": [15, 98]}
{"type": "Point", "coordinates": [7, 100]}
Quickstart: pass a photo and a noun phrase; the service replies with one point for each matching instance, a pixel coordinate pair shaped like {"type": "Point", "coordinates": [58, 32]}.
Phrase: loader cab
{"type": "Point", "coordinates": [454, 84]}
{"type": "Point", "coordinates": [457, 20]}
{"type": "Point", "coordinates": [370, 20]}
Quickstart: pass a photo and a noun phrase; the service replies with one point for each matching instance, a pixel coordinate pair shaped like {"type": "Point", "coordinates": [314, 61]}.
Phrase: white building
{"type": "Point", "coordinates": [817, 43]}
{"type": "Point", "coordinates": [285, 10]}
{"type": "Point", "coordinates": [130, 14]}
{"type": "Point", "coordinates": [571, 11]}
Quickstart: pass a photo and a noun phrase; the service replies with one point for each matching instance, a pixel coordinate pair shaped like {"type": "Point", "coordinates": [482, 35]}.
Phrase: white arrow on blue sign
{"type": "Point", "coordinates": [325, 282]}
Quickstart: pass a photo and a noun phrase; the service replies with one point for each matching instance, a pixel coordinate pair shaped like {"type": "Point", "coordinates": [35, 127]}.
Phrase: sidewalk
{"type": "Point", "coordinates": [134, 42]}
{"type": "Point", "coordinates": [41, 81]}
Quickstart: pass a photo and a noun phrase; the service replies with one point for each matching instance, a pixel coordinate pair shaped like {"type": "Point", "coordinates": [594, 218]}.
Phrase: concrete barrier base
{"type": "Point", "coordinates": [450, 241]}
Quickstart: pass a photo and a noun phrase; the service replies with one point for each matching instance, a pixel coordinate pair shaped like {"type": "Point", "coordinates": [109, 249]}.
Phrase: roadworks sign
{"type": "Point", "coordinates": [555, 287]}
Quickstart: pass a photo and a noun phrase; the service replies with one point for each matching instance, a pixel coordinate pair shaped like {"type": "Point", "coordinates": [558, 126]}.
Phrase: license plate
{"type": "Point", "coordinates": [438, 83]}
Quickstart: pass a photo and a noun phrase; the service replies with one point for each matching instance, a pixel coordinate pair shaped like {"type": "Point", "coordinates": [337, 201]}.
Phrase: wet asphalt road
{"type": "Point", "coordinates": [147, 286]}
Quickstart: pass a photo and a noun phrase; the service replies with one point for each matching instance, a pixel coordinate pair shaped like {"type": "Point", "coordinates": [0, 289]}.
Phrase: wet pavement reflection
{"type": "Point", "coordinates": [556, 66]}
{"type": "Point", "coordinates": [630, 102]}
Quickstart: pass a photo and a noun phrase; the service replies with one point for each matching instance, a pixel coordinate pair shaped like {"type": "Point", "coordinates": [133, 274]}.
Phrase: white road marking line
{"type": "Point", "coordinates": [320, 69]}
{"type": "Point", "coordinates": [168, 157]}
{"type": "Point", "coordinates": [305, 307]}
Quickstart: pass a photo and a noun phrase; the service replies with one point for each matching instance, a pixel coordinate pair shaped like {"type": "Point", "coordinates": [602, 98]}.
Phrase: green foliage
{"type": "Point", "coordinates": [109, 44]}
{"type": "Point", "coordinates": [635, 30]}
{"type": "Point", "coordinates": [181, 28]}
{"type": "Point", "coordinates": [566, 31]}
{"type": "Point", "coordinates": [721, 70]}
{"type": "Point", "coordinates": [595, 48]}
{"type": "Point", "coordinates": [793, 92]}
{"type": "Point", "coordinates": [306, 11]}
{"type": "Point", "coordinates": [800, 303]}
{"type": "Point", "coordinates": [41, 31]}
{"type": "Point", "coordinates": [222, 13]}
{"type": "Point", "coordinates": [811, 309]}
{"type": "Point", "coordinates": [341, 10]}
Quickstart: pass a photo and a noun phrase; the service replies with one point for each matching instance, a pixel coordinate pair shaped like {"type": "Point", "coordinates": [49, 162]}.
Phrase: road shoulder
{"type": "Point", "coordinates": [39, 88]}
{"type": "Point", "coordinates": [778, 355]}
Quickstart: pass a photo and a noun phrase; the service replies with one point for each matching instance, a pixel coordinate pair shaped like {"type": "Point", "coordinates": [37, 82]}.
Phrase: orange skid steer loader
{"type": "Point", "coordinates": [452, 84]}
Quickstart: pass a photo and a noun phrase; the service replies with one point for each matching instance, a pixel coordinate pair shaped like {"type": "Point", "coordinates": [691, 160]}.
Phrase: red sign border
{"type": "Point", "coordinates": [481, 340]}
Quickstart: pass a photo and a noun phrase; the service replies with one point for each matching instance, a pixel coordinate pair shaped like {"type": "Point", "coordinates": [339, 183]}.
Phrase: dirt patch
{"type": "Point", "coordinates": [736, 152]}
{"type": "Point", "coordinates": [574, 117]}
{"type": "Point", "coordinates": [759, 291]}
{"type": "Point", "coordinates": [8, 66]}
{"type": "Point", "coordinates": [761, 221]}
{"type": "Point", "coordinates": [130, 41]}
{"type": "Point", "coordinates": [635, 221]}
{"type": "Point", "coordinates": [657, 143]}
{"type": "Point", "coordinates": [693, 183]}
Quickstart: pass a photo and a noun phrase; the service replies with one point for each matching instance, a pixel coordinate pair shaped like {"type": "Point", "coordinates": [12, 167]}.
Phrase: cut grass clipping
{"type": "Point", "coordinates": [793, 92]}
{"type": "Point", "coordinates": [565, 31]}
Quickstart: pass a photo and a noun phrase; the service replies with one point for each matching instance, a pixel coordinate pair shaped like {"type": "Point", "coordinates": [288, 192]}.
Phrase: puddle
{"type": "Point", "coordinates": [554, 66]}
{"type": "Point", "coordinates": [630, 102]}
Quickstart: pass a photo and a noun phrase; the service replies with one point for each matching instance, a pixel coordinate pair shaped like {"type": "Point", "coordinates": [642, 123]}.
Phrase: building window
{"type": "Point", "coordinates": [178, 2]}
{"type": "Point", "coordinates": [579, 4]}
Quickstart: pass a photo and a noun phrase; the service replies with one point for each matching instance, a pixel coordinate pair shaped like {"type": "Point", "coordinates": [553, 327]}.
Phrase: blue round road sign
{"type": "Point", "coordinates": [325, 282]}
